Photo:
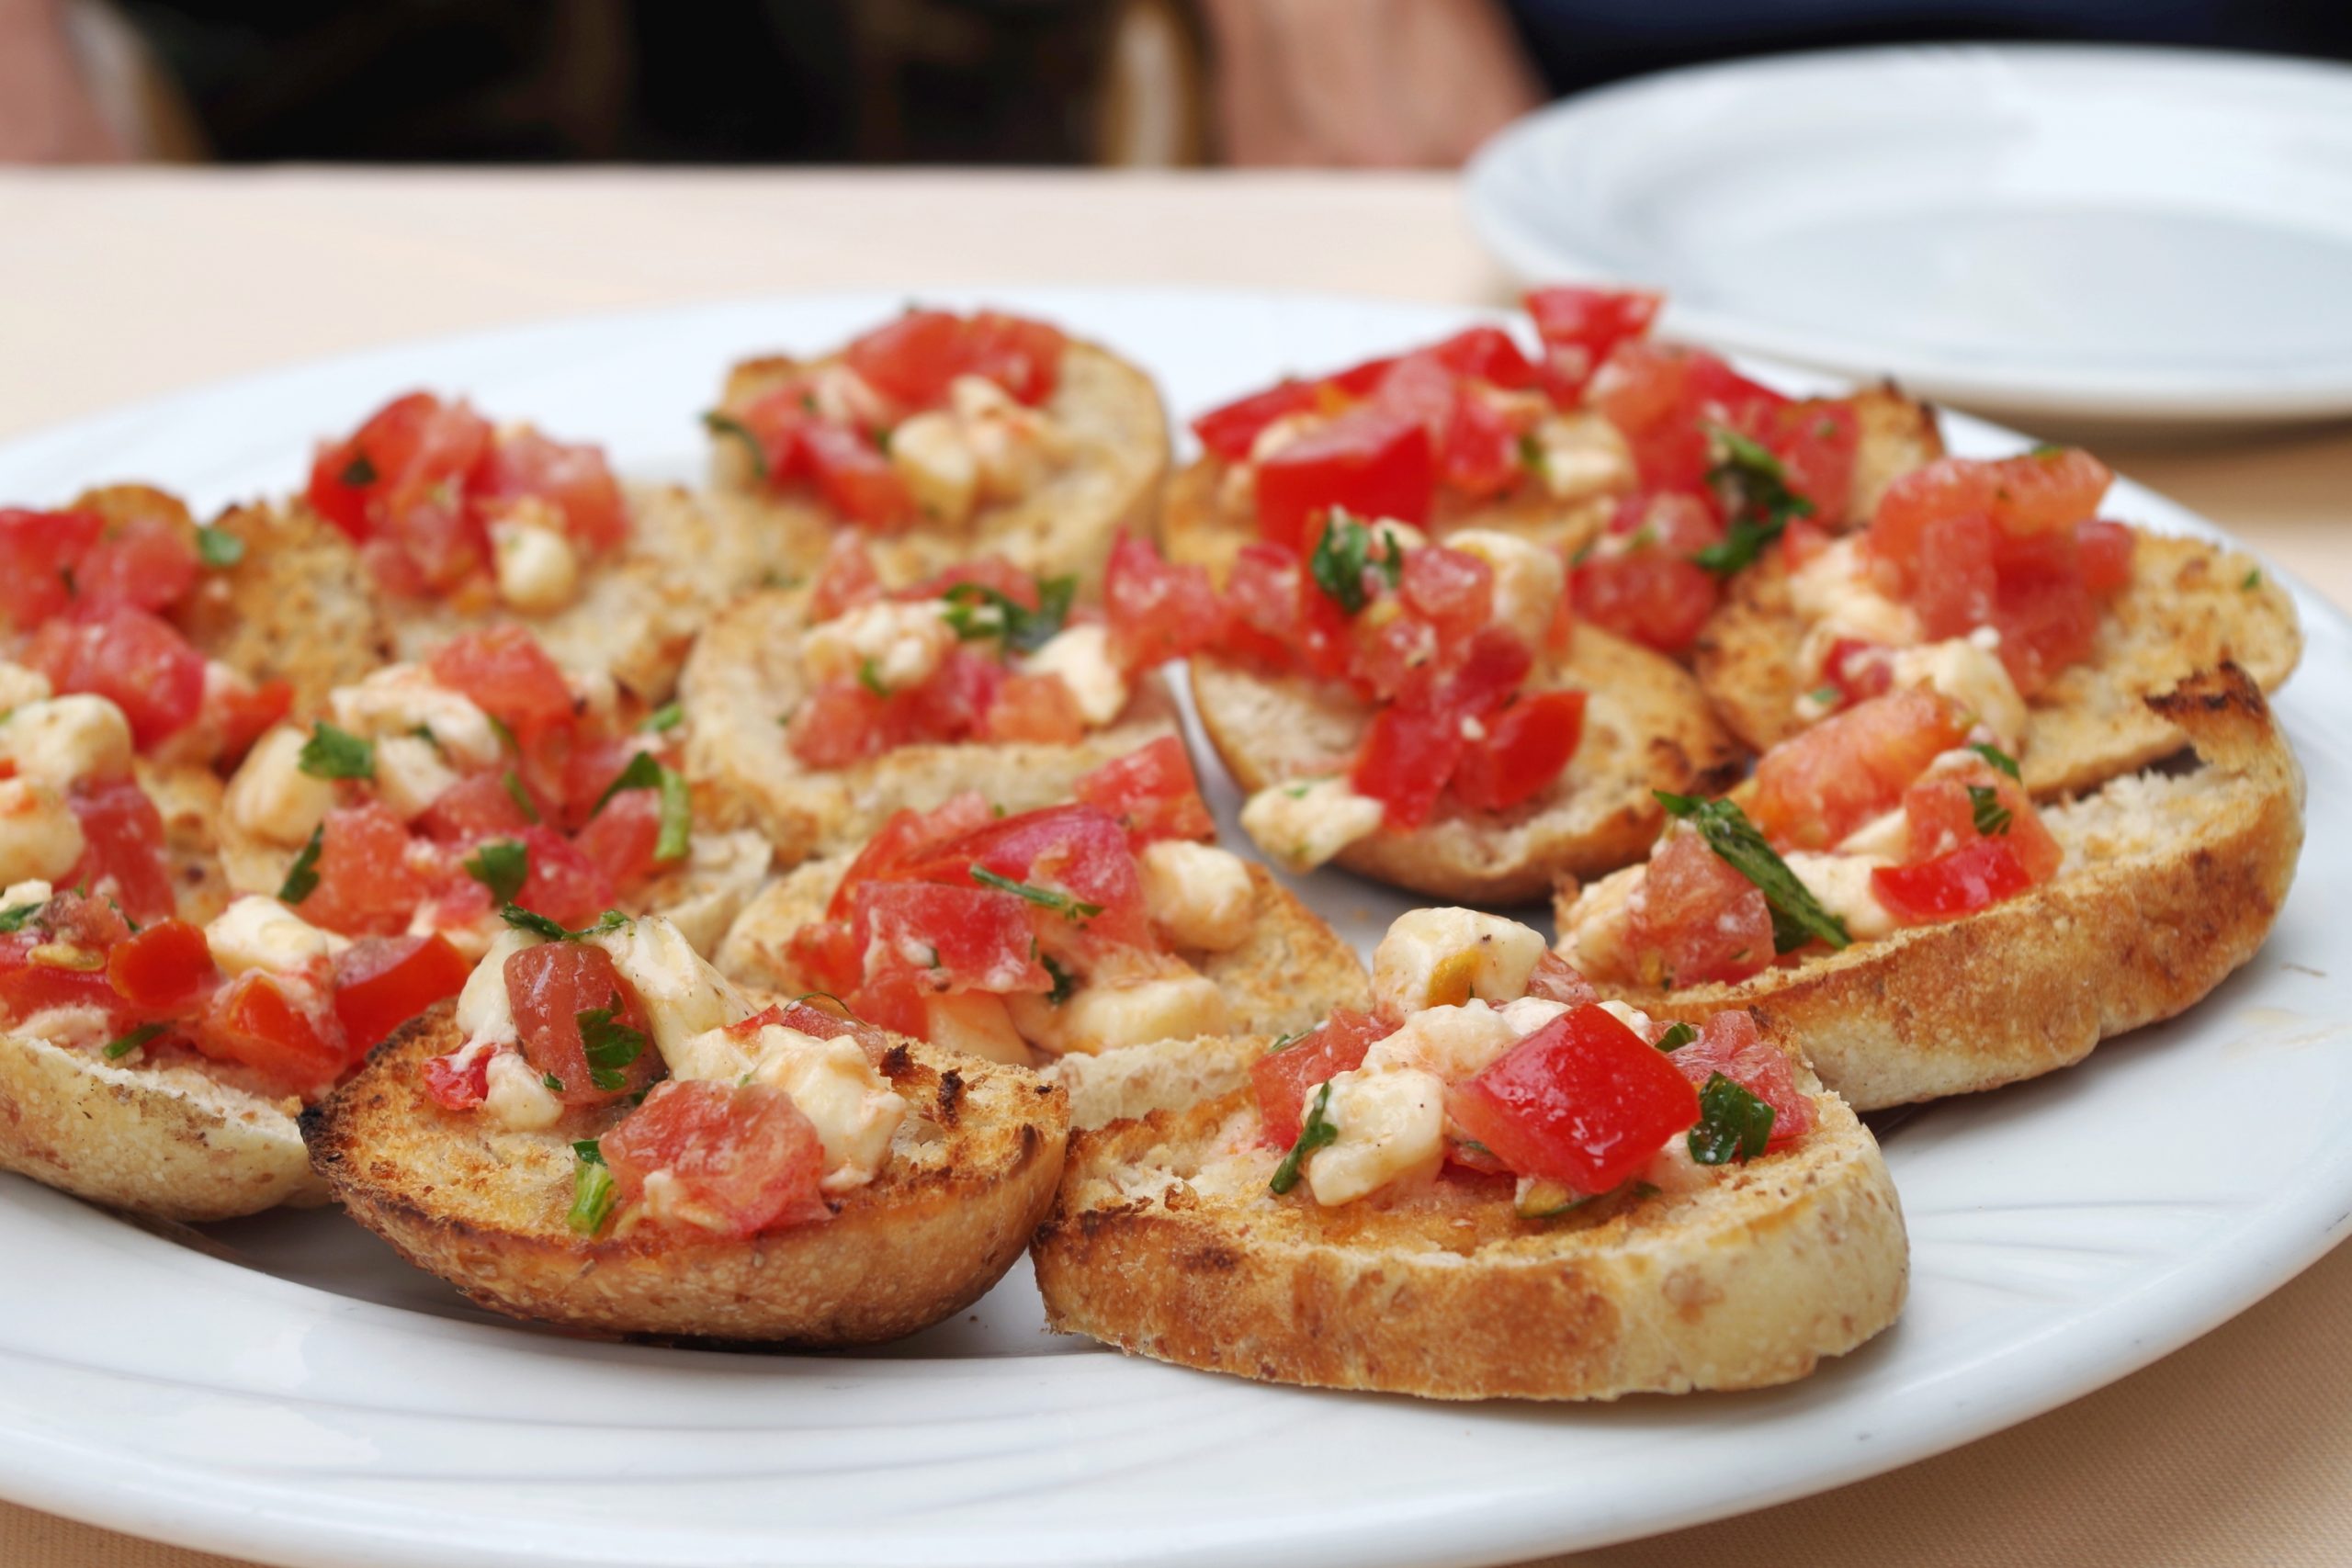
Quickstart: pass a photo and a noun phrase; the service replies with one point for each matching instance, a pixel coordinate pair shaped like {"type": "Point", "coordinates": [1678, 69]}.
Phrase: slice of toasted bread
{"type": "Point", "coordinates": [1109, 409]}
{"type": "Point", "coordinates": [1166, 1241]}
{"type": "Point", "coordinates": [177, 1140]}
{"type": "Point", "coordinates": [2171, 881]}
{"type": "Point", "coordinates": [745, 678]}
{"type": "Point", "coordinates": [1208, 516]}
{"type": "Point", "coordinates": [1647, 726]}
{"type": "Point", "coordinates": [970, 1172]}
{"type": "Point", "coordinates": [1290, 973]}
{"type": "Point", "coordinates": [2189, 605]}
{"type": "Point", "coordinates": [298, 605]}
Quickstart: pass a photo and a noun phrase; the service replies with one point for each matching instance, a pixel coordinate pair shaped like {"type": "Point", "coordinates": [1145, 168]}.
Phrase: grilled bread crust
{"type": "Point", "coordinates": [1162, 1247]}
{"type": "Point", "coordinates": [2170, 883]}
{"type": "Point", "coordinates": [1109, 409]}
{"type": "Point", "coordinates": [1647, 726]}
{"type": "Point", "coordinates": [484, 1208]}
{"type": "Point", "coordinates": [2189, 607]}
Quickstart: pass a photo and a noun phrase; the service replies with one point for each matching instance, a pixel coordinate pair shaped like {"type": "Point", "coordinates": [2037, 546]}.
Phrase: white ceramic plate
{"type": "Point", "coordinates": [284, 1387]}
{"type": "Point", "coordinates": [2080, 232]}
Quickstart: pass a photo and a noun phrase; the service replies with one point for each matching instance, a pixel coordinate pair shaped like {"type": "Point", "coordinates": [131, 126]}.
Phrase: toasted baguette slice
{"type": "Point", "coordinates": [177, 1140]}
{"type": "Point", "coordinates": [745, 678]}
{"type": "Point", "coordinates": [971, 1173]}
{"type": "Point", "coordinates": [299, 605]}
{"type": "Point", "coordinates": [1109, 409]}
{"type": "Point", "coordinates": [1646, 728]}
{"type": "Point", "coordinates": [2189, 605]}
{"type": "Point", "coordinates": [1288, 975]}
{"type": "Point", "coordinates": [1209, 516]}
{"type": "Point", "coordinates": [2171, 881]}
{"type": "Point", "coordinates": [1166, 1242]}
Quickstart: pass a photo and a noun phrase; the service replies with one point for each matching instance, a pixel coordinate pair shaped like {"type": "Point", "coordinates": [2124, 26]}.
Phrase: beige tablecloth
{"type": "Point", "coordinates": [117, 286]}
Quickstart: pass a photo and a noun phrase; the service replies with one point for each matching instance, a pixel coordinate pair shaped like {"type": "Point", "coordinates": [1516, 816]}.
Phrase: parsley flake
{"type": "Point", "coordinates": [503, 865]}
{"type": "Point", "coordinates": [593, 1189]}
{"type": "Point", "coordinates": [332, 754]}
{"type": "Point", "coordinates": [122, 1046]}
{"type": "Point", "coordinates": [303, 876]}
{"type": "Point", "coordinates": [721, 423]}
{"type": "Point", "coordinates": [1754, 488]}
{"type": "Point", "coordinates": [1993, 818]}
{"type": "Point", "coordinates": [1343, 554]}
{"type": "Point", "coordinates": [520, 796]}
{"type": "Point", "coordinates": [665, 717]}
{"type": "Point", "coordinates": [869, 675]}
{"type": "Point", "coordinates": [538, 925]}
{"type": "Point", "coordinates": [218, 548]}
{"type": "Point", "coordinates": [1313, 1134]}
{"type": "Point", "coordinates": [13, 918]}
{"type": "Point", "coordinates": [976, 613]}
{"type": "Point", "coordinates": [1998, 758]}
{"type": "Point", "coordinates": [360, 473]}
{"type": "Point", "coordinates": [609, 1045]}
{"type": "Point", "coordinates": [2253, 580]}
{"type": "Point", "coordinates": [1733, 1123]}
{"type": "Point", "coordinates": [1064, 981]}
{"type": "Point", "coordinates": [1676, 1037]}
{"type": "Point", "coordinates": [1067, 904]}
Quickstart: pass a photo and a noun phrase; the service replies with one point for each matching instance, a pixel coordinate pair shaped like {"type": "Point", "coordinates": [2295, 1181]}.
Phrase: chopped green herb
{"type": "Point", "coordinates": [360, 473]}
{"type": "Point", "coordinates": [1755, 492]}
{"type": "Point", "coordinates": [609, 1046]}
{"type": "Point", "coordinates": [976, 613]}
{"type": "Point", "coordinates": [593, 1190]}
{"type": "Point", "coordinates": [678, 817]}
{"type": "Point", "coordinates": [719, 422]}
{"type": "Point", "coordinates": [122, 1046]}
{"type": "Point", "coordinates": [644, 772]}
{"type": "Point", "coordinates": [503, 865]}
{"type": "Point", "coordinates": [2047, 449]}
{"type": "Point", "coordinates": [1797, 915]}
{"type": "Point", "coordinates": [13, 918]}
{"type": "Point", "coordinates": [1827, 696]}
{"type": "Point", "coordinates": [869, 675]}
{"type": "Point", "coordinates": [1051, 898]}
{"type": "Point", "coordinates": [1733, 1123]}
{"type": "Point", "coordinates": [425, 732]}
{"type": "Point", "coordinates": [664, 717]}
{"type": "Point", "coordinates": [1998, 758]}
{"type": "Point", "coordinates": [538, 925]}
{"type": "Point", "coordinates": [1993, 818]}
{"type": "Point", "coordinates": [520, 796]}
{"type": "Point", "coordinates": [218, 548]}
{"type": "Point", "coordinates": [1341, 556]}
{"type": "Point", "coordinates": [2253, 580]}
{"type": "Point", "coordinates": [882, 441]}
{"type": "Point", "coordinates": [552, 1082]}
{"type": "Point", "coordinates": [332, 754]}
{"type": "Point", "coordinates": [1542, 1200]}
{"type": "Point", "coordinates": [1064, 981]}
{"type": "Point", "coordinates": [590, 1151]}
{"type": "Point", "coordinates": [1313, 1135]}
{"type": "Point", "coordinates": [303, 876]}
{"type": "Point", "coordinates": [1284, 1042]}
{"type": "Point", "coordinates": [1530, 453]}
{"type": "Point", "coordinates": [1584, 551]}
{"type": "Point", "coordinates": [1676, 1037]}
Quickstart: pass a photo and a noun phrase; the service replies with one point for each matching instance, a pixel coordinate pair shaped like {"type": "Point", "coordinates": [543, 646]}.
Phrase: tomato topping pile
{"type": "Point", "coordinates": [2013, 543]}
{"type": "Point", "coordinates": [959, 900]}
{"type": "Point", "coordinates": [159, 989]}
{"type": "Point", "coordinates": [578, 811]}
{"type": "Point", "coordinates": [418, 486]}
{"type": "Point", "coordinates": [740, 1157]}
{"type": "Point", "coordinates": [901, 369]}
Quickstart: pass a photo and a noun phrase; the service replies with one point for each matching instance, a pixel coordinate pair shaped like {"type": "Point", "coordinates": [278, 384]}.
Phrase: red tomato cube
{"type": "Point", "coordinates": [1584, 1102]}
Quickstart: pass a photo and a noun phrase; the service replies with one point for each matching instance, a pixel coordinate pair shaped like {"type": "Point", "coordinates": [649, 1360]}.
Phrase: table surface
{"type": "Point", "coordinates": [123, 285]}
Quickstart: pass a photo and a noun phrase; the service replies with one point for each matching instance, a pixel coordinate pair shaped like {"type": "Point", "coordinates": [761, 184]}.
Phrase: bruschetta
{"type": "Point", "coordinates": [1655, 465]}
{"type": "Point", "coordinates": [1057, 936]}
{"type": "Point", "coordinates": [813, 713]}
{"type": "Point", "coordinates": [1999, 583]}
{"type": "Point", "coordinates": [427, 796]}
{"type": "Point", "coordinates": [1425, 714]}
{"type": "Point", "coordinates": [939, 437]}
{"type": "Point", "coordinates": [1886, 889]}
{"type": "Point", "coordinates": [605, 1134]}
{"type": "Point", "coordinates": [448, 521]}
{"type": "Point", "coordinates": [1494, 1185]}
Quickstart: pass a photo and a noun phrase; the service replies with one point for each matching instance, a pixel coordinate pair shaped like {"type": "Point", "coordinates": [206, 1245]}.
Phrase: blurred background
{"type": "Point", "coordinates": [1116, 82]}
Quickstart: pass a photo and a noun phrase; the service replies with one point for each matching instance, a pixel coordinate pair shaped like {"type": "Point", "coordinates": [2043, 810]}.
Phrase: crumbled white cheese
{"type": "Point", "coordinates": [1101, 1017]}
{"type": "Point", "coordinates": [1199, 896]}
{"type": "Point", "coordinates": [1080, 655]}
{"type": "Point", "coordinates": [402, 698]}
{"type": "Point", "coordinates": [1528, 580]}
{"type": "Point", "coordinates": [1432, 957]}
{"type": "Point", "coordinates": [1306, 821]}
{"type": "Point", "coordinates": [40, 836]}
{"type": "Point", "coordinates": [929, 453]}
{"type": "Point", "coordinates": [271, 798]}
{"type": "Point", "coordinates": [60, 741]}
{"type": "Point", "coordinates": [1391, 1126]}
{"type": "Point", "coordinates": [20, 685]}
{"type": "Point", "coordinates": [1593, 930]}
{"type": "Point", "coordinates": [1630, 1016]}
{"type": "Point", "coordinates": [517, 1095]}
{"type": "Point", "coordinates": [485, 1015]}
{"type": "Point", "coordinates": [257, 932]}
{"type": "Point", "coordinates": [1582, 455]}
{"type": "Point", "coordinates": [1841, 884]}
{"type": "Point", "coordinates": [977, 1023]}
{"type": "Point", "coordinates": [683, 994]}
{"type": "Point", "coordinates": [410, 775]}
{"type": "Point", "coordinates": [1971, 675]}
{"type": "Point", "coordinates": [1454, 1043]}
{"type": "Point", "coordinates": [852, 1106]}
{"type": "Point", "coordinates": [894, 644]}
{"type": "Point", "coordinates": [536, 566]}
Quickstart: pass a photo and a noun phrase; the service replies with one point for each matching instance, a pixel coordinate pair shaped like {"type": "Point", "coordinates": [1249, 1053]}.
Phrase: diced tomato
{"type": "Point", "coordinates": [346, 476]}
{"type": "Point", "coordinates": [856, 476]}
{"type": "Point", "coordinates": [549, 987]}
{"type": "Point", "coordinates": [1230, 430]}
{"type": "Point", "coordinates": [367, 886]}
{"type": "Point", "coordinates": [848, 580]}
{"type": "Point", "coordinates": [1556, 979]}
{"type": "Point", "coordinates": [2104, 550]}
{"type": "Point", "coordinates": [400, 484]}
{"type": "Point", "coordinates": [1940, 815]}
{"type": "Point", "coordinates": [954, 704]}
{"type": "Point", "coordinates": [913, 359]}
{"type": "Point", "coordinates": [1728, 1043]}
{"type": "Point", "coordinates": [2046, 615]}
{"type": "Point", "coordinates": [826, 952]}
{"type": "Point", "coordinates": [1479, 450]}
{"type": "Point", "coordinates": [565, 884]}
{"type": "Point", "coordinates": [1975, 876]}
{"type": "Point", "coordinates": [1038, 709]}
{"type": "Point", "coordinates": [1079, 850]}
{"type": "Point", "coordinates": [1486, 354]}
{"type": "Point", "coordinates": [246, 711]}
{"type": "Point", "coordinates": [840, 723]}
{"type": "Point", "coordinates": [162, 967]}
{"type": "Point", "coordinates": [992, 572]}
{"type": "Point", "coordinates": [85, 920]}
{"type": "Point", "coordinates": [145, 561]}
{"type": "Point", "coordinates": [1584, 1102]}
{"type": "Point", "coordinates": [1284, 1078]}
{"type": "Point", "coordinates": [456, 1087]}
{"type": "Point", "coordinates": [1368, 461]}
{"type": "Point", "coordinates": [1801, 541]}
{"type": "Point", "coordinates": [479, 805]}
{"type": "Point", "coordinates": [505, 672]}
{"type": "Point", "coordinates": [253, 1020]}
{"type": "Point", "coordinates": [1662, 397]}
{"type": "Point", "coordinates": [1954, 582]}
{"type": "Point", "coordinates": [1817, 440]}
{"type": "Point", "coordinates": [2037, 494]}
{"type": "Point", "coordinates": [1152, 792]}
{"type": "Point", "coordinates": [897, 1000]}
{"type": "Point", "coordinates": [953, 939]}
{"type": "Point", "coordinates": [1815, 787]}
{"type": "Point", "coordinates": [1697, 918]}
{"type": "Point", "coordinates": [382, 982]}
{"type": "Point", "coordinates": [123, 848]}
{"type": "Point", "coordinates": [39, 552]}
{"type": "Point", "coordinates": [1858, 669]}
{"type": "Point", "coordinates": [1641, 583]}
{"type": "Point", "coordinates": [1452, 590]}
{"type": "Point", "coordinates": [907, 839]}
{"type": "Point", "coordinates": [1407, 757]}
{"type": "Point", "coordinates": [741, 1153]}
{"type": "Point", "coordinates": [575, 479]}
{"type": "Point", "coordinates": [141, 664]}
{"type": "Point", "coordinates": [618, 845]}
{"type": "Point", "coordinates": [1580, 328]}
{"type": "Point", "coordinates": [27, 986]}
{"type": "Point", "coordinates": [815, 1021]}
{"type": "Point", "coordinates": [1157, 611]}
{"type": "Point", "coordinates": [1525, 748]}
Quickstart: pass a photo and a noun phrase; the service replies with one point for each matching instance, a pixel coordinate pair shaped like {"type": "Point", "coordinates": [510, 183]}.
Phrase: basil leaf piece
{"type": "Point", "coordinates": [1993, 818]}
{"type": "Point", "coordinates": [1753, 489]}
{"type": "Point", "coordinates": [644, 772]}
{"type": "Point", "coordinates": [1065, 904]}
{"type": "Point", "coordinates": [869, 675]}
{"type": "Point", "coordinates": [218, 548]}
{"type": "Point", "coordinates": [503, 865]}
{"type": "Point", "coordinates": [520, 796]}
{"type": "Point", "coordinates": [609, 1046]}
{"type": "Point", "coordinates": [1797, 915]}
{"type": "Point", "coordinates": [13, 918]}
{"type": "Point", "coordinates": [664, 717]}
{"type": "Point", "coordinates": [1998, 758]}
{"type": "Point", "coordinates": [1064, 982]}
{"type": "Point", "coordinates": [721, 423]}
{"type": "Point", "coordinates": [593, 1192]}
{"type": "Point", "coordinates": [1313, 1134]}
{"type": "Point", "coordinates": [303, 876]}
{"type": "Point", "coordinates": [678, 817]}
{"type": "Point", "coordinates": [1341, 556]}
{"type": "Point", "coordinates": [122, 1046]}
{"type": "Point", "coordinates": [1676, 1037]}
{"type": "Point", "coordinates": [590, 1151]}
{"type": "Point", "coordinates": [976, 613]}
{"type": "Point", "coordinates": [332, 754]}
{"type": "Point", "coordinates": [531, 920]}
{"type": "Point", "coordinates": [1733, 1123]}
